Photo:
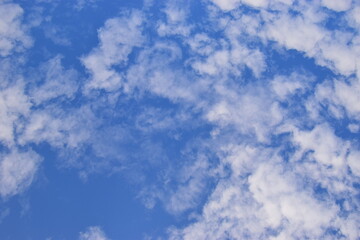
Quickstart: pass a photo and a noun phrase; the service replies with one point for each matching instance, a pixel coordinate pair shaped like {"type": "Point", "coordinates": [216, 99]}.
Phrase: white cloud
{"type": "Point", "coordinates": [176, 19]}
{"type": "Point", "coordinates": [256, 3]}
{"type": "Point", "coordinates": [328, 148]}
{"type": "Point", "coordinates": [227, 5]}
{"type": "Point", "coordinates": [17, 170]}
{"type": "Point", "coordinates": [350, 228]}
{"type": "Point", "coordinates": [295, 33]}
{"type": "Point", "coordinates": [57, 127]}
{"type": "Point", "coordinates": [154, 73]}
{"type": "Point", "coordinates": [251, 110]}
{"type": "Point", "coordinates": [354, 128]}
{"type": "Point", "coordinates": [305, 32]}
{"type": "Point", "coordinates": [191, 184]}
{"type": "Point", "coordinates": [337, 5]}
{"type": "Point", "coordinates": [182, 187]}
{"type": "Point", "coordinates": [13, 36]}
{"type": "Point", "coordinates": [270, 198]}
{"type": "Point", "coordinates": [303, 215]}
{"type": "Point", "coordinates": [117, 39]}
{"type": "Point", "coordinates": [223, 61]}
{"type": "Point", "coordinates": [354, 162]}
{"type": "Point", "coordinates": [13, 104]}
{"type": "Point", "coordinates": [202, 44]}
{"type": "Point", "coordinates": [261, 195]}
{"type": "Point", "coordinates": [285, 86]}
{"type": "Point", "coordinates": [340, 95]}
{"type": "Point", "coordinates": [55, 34]}
{"type": "Point", "coordinates": [264, 198]}
{"type": "Point", "coordinates": [354, 16]}
{"type": "Point", "coordinates": [3, 214]}
{"type": "Point", "coordinates": [348, 96]}
{"type": "Point", "coordinates": [229, 213]}
{"type": "Point", "coordinates": [93, 233]}
{"type": "Point", "coordinates": [214, 64]}
{"type": "Point", "coordinates": [57, 82]}
{"type": "Point", "coordinates": [80, 4]}
{"type": "Point", "coordinates": [339, 52]}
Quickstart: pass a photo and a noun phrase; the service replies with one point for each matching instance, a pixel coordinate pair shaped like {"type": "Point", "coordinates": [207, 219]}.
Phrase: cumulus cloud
{"type": "Point", "coordinates": [13, 104]}
{"type": "Point", "coordinates": [266, 195]}
{"type": "Point", "coordinates": [13, 33]}
{"type": "Point", "coordinates": [354, 128]}
{"type": "Point", "coordinates": [57, 127]}
{"type": "Point", "coordinates": [263, 199]}
{"type": "Point", "coordinates": [339, 95]}
{"type": "Point", "coordinates": [285, 86]}
{"type": "Point", "coordinates": [22, 123]}
{"type": "Point", "coordinates": [327, 148]}
{"type": "Point", "coordinates": [227, 5]}
{"type": "Point", "coordinates": [93, 233]}
{"type": "Point", "coordinates": [176, 19]}
{"type": "Point", "coordinates": [117, 39]}
{"type": "Point", "coordinates": [249, 110]}
{"type": "Point", "coordinates": [303, 215]}
{"type": "Point", "coordinates": [282, 170]}
{"type": "Point", "coordinates": [17, 171]}
{"type": "Point", "coordinates": [305, 32]}
{"type": "Point", "coordinates": [295, 33]}
{"type": "Point", "coordinates": [353, 160]}
{"type": "Point", "coordinates": [337, 5]}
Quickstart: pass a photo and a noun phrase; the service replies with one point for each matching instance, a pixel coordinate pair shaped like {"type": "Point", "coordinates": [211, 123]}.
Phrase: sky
{"type": "Point", "coordinates": [179, 119]}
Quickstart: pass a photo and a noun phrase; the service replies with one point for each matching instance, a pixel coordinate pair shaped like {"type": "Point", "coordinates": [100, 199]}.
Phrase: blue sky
{"type": "Point", "coordinates": [211, 119]}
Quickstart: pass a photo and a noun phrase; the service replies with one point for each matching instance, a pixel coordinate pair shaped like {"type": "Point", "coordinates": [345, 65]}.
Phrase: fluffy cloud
{"type": "Point", "coordinates": [264, 199]}
{"type": "Point", "coordinates": [22, 123]}
{"type": "Point", "coordinates": [93, 233]}
{"type": "Point", "coordinates": [295, 33]}
{"type": "Point", "coordinates": [266, 195]}
{"type": "Point", "coordinates": [285, 86]}
{"type": "Point", "coordinates": [305, 32]}
{"type": "Point", "coordinates": [13, 36]}
{"type": "Point", "coordinates": [287, 206]}
{"type": "Point", "coordinates": [354, 163]}
{"type": "Point", "coordinates": [327, 148]}
{"type": "Point", "coordinates": [176, 16]}
{"type": "Point", "coordinates": [13, 104]}
{"type": "Point", "coordinates": [249, 110]}
{"type": "Point", "coordinates": [281, 168]}
{"type": "Point", "coordinates": [17, 171]}
{"type": "Point", "coordinates": [57, 127]}
{"type": "Point", "coordinates": [337, 5]}
{"type": "Point", "coordinates": [228, 5]}
{"type": "Point", "coordinates": [338, 96]}
{"type": "Point", "coordinates": [117, 39]}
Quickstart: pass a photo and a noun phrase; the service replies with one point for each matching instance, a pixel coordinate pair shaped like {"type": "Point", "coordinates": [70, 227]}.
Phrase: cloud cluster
{"type": "Point", "coordinates": [269, 82]}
